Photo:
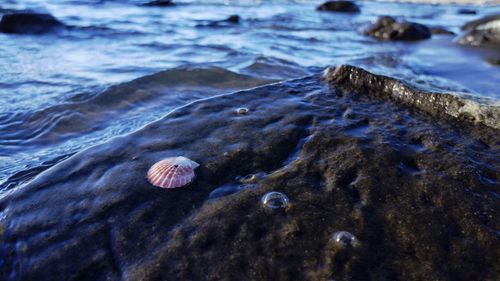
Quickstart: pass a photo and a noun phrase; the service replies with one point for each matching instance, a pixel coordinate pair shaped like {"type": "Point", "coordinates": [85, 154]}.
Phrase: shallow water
{"type": "Point", "coordinates": [52, 98]}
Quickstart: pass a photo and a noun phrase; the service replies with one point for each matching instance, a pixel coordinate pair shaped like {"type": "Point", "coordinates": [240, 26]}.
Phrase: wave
{"type": "Point", "coordinates": [167, 89]}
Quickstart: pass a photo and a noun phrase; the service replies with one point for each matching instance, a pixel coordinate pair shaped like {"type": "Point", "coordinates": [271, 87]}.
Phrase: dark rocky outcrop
{"type": "Point", "coordinates": [339, 6]}
{"type": "Point", "coordinates": [388, 28]}
{"type": "Point", "coordinates": [352, 152]}
{"type": "Point", "coordinates": [482, 32]}
{"type": "Point", "coordinates": [159, 3]}
{"type": "Point", "coordinates": [29, 23]}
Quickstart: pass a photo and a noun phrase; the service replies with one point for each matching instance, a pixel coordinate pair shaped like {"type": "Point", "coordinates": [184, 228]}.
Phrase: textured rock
{"type": "Point", "coordinates": [352, 153]}
{"type": "Point", "coordinates": [339, 6]}
{"type": "Point", "coordinates": [28, 23]}
{"type": "Point", "coordinates": [482, 32]}
{"type": "Point", "coordinates": [387, 28]}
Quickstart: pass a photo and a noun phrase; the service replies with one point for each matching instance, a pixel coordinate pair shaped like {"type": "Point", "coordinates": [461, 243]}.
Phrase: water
{"type": "Point", "coordinates": [52, 89]}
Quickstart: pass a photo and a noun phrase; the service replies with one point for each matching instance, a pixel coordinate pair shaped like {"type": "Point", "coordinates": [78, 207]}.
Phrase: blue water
{"type": "Point", "coordinates": [50, 86]}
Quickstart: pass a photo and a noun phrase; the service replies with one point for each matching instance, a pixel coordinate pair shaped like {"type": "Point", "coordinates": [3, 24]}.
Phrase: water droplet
{"type": "Point", "coordinates": [275, 200]}
{"type": "Point", "coordinates": [345, 239]}
{"type": "Point", "coordinates": [242, 110]}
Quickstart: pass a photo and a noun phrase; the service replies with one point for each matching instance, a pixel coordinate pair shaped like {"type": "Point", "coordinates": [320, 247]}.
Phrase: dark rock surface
{"type": "Point", "coordinates": [29, 23]}
{"type": "Point", "coordinates": [228, 22]}
{"type": "Point", "coordinates": [441, 31]}
{"type": "Point", "coordinates": [465, 11]}
{"type": "Point", "coordinates": [482, 32]}
{"type": "Point", "coordinates": [159, 3]}
{"type": "Point", "coordinates": [388, 28]}
{"type": "Point", "coordinates": [233, 19]}
{"type": "Point", "coordinates": [494, 61]}
{"type": "Point", "coordinates": [339, 6]}
{"type": "Point", "coordinates": [352, 153]}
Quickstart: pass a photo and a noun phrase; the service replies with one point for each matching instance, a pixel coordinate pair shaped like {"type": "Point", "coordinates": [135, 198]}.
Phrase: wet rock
{"type": "Point", "coordinates": [479, 22]}
{"type": "Point", "coordinates": [94, 216]}
{"type": "Point", "coordinates": [494, 61]}
{"type": "Point", "coordinates": [159, 3]}
{"type": "Point", "coordinates": [29, 23]}
{"type": "Point", "coordinates": [482, 32]}
{"type": "Point", "coordinates": [388, 28]}
{"type": "Point", "coordinates": [441, 31]}
{"type": "Point", "coordinates": [339, 6]}
{"type": "Point", "coordinates": [233, 19]}
{"type": "Point", "coordinates": [230, 21]}
{"type": "Point", "coordinates": [465, 11]}
{"type": "Point", "coordinates": [440, 104]}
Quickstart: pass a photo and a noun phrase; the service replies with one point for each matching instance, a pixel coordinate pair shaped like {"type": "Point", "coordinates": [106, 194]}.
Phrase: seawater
{"type": "Point", "coordinates": [53, 98]}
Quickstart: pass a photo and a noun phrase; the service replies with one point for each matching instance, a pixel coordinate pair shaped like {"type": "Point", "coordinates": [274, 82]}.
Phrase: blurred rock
{"type": "Point", "coordinates": [466, 11]}
{"type": "Point", "coordinates": [339, 6]}
{"type": "Point", "coordinates": [484, 32]}
{"type": "Point", "coordinates": [387, 28]}
{"type": "Point", "coordinates": [441, 31]}
{"type": "Point", "coordinates": [230, 21]}
{"type": "Point", "coordinates": [29, 23]}
{"type": "Point", "coordinates": [159, 3]}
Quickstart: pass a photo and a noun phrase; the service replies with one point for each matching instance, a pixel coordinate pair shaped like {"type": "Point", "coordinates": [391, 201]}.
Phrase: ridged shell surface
{"type": "Point", "coordinates": [172, 172]}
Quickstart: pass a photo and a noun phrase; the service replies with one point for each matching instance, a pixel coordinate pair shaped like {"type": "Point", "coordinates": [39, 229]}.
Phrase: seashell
{"type": "Point", "coordinates": [172, 172]}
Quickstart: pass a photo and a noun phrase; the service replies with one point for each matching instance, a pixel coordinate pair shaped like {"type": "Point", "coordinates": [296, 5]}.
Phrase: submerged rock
{"type": "Point", "coordinates": [387, 28]}
{"type": "Point", "coordinates": [482, 32]}
{"type": "Point", "coordinates": [94, 216]}
{"type": "Point", "coordinates": [29, 23]}
{"type": "Point", "coordinates": [494, 61]}
{"type": "Point", "coordinates": [465, 11]}
{"type": "Point", "coordinates": [159, 3]}
{"type": "Point", "coordinates": [230, 21]}
{"type": "Point", "coordinates": [441, 31]}
{"type": "Point", "coordinates": [339, 6]}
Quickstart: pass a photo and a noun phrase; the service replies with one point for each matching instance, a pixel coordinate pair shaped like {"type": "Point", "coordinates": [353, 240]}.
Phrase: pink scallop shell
{"type": "Point", "coordinates": [172, 172]}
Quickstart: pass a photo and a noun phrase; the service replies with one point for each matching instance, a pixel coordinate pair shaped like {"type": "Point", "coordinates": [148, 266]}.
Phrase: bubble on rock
{"type": "Point", "coordinates": [345, 239]}
{"type": "Point", "coordinates": [242, 110]}
{"type": "Point", "coordinates": [275, 200]}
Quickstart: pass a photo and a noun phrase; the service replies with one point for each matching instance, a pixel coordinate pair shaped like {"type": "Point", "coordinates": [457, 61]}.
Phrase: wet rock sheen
{"type": "Point", "coordinates": [413, 187]}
